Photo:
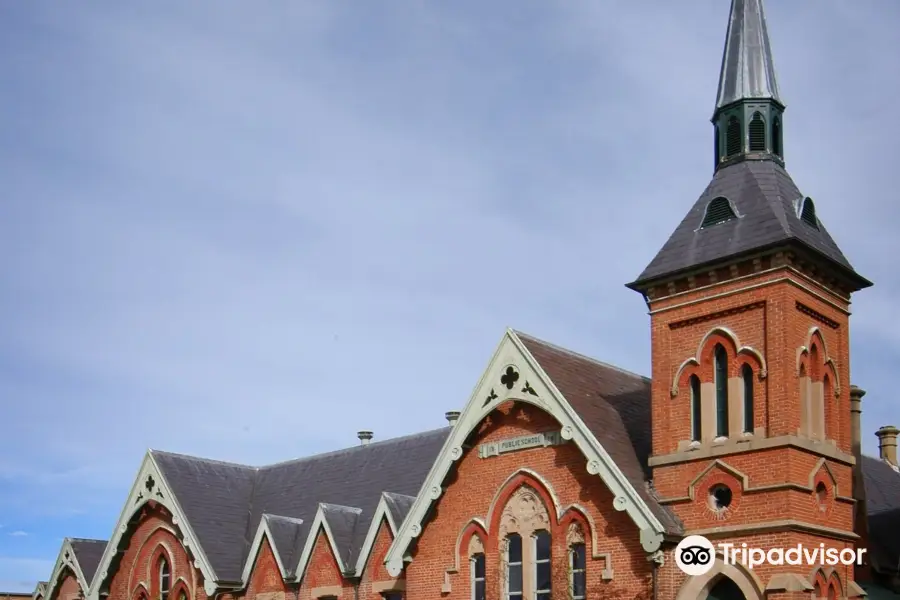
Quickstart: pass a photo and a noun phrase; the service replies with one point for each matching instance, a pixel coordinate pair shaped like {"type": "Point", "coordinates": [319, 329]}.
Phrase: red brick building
{"type": "Point", "coordinates": [565, 477]}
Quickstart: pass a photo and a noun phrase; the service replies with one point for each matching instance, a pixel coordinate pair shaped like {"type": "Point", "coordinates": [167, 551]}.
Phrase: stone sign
{"type": "Point", "coordinates": [536, 440]}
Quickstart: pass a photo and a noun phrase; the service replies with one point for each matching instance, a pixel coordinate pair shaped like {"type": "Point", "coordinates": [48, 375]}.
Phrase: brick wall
{"type": "Point", "coordinates": [136, 576]}
{"type": "Point", "coordinates": [478, 484]}
{"type": "Point", "coordinates": [774, 314]}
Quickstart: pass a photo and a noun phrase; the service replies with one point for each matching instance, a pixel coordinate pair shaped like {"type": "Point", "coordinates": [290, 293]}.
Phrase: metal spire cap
{"type": "Point", "coordinates": [748, 71]}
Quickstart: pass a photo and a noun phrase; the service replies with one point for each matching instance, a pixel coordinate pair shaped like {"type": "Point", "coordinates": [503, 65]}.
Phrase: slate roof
{"type": "Point", "coordinates": [225, 502]}
{"type": "Point", "coordinates": [767, 203]}
{"type": "Point", "coordinates": [614, 404]}
{"type": "Point", "coordinates": [399, 506]}
{"type": "Point", "coordinates": [287, 537]}
{"type": "Point", "coordinates": [343, 522]}
{"type": "Point", "coordinates": [88, 553]}
{"type": "Point", "coordinates": [882, 483]}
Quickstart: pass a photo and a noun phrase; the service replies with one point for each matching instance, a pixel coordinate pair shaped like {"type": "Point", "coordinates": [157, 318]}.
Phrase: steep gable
{"type": "Point", "coordinates": [517, 373]}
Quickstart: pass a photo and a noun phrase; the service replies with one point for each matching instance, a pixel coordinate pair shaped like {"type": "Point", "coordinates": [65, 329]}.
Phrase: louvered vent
{"type": "Point", "coordinates": [757, 132]}
{"type": "Point", "coordinates": [733, 137]}
{"type": "Point", "coordinates": [808, 213]}
{"type": "Point", "coordinates": [718, 211]}
{"type": "Point", "coordinates": [776, 136]}
{"type": "Point", "coordinates": [716, 144]}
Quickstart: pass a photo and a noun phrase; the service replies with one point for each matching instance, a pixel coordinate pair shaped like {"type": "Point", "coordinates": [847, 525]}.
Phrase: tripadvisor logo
{"type": "Point", "coordinates": [695, 555]}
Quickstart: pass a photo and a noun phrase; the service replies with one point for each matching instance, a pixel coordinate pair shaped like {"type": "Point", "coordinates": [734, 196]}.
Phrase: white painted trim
{"type": "Point", "coordinates": [488, 394]}
{"type": "Point", "coordinates": [40, 589]}
{"type": "Point", "coordinates": [66, 559]}
{"type": "Point", "coordinates": [137, 498]}
{"type": "Point", "coordinates": [382, 513]}
{"type": "Point", "coordinates": [320, 523]}
{"type": "Point", "coordinates": [263, 532]}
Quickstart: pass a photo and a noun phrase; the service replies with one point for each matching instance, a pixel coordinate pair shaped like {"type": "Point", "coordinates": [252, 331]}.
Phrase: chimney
{"type": "Point", "coordinates": [856, 396]}
{"type": "Point", "coordinates": [887, 443]}
{"type": "Point", "coordinates": [452, 417]}
{"type": "Point", "coordinates": [364, 437]}
{"type": "Point", "coordinates": [860, 511]}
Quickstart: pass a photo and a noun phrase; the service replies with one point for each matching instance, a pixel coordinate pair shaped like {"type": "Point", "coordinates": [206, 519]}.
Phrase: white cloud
{"type": "Point", "coordinates": [17, 533]}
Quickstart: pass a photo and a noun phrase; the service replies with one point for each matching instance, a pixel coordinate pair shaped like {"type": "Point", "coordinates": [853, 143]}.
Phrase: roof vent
{"type": "Point", "coordinates": [452, 417]}
{"type": "Point", "coordinates": [808, 213]}
{"type": "Point", "coordinates": [364, 437]}
{"type": "Point", "coordinates": [887, 444]}
{"type": "Point", "coordinates": [718, 211]}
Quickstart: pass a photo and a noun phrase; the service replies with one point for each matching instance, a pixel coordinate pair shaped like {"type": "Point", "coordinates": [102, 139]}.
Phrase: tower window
{"type": "Point", "coordinates": [717, 211]}
{"type": "Point", "coordinates": [808, 213]}
{"type": "Point", "coordinates": [542, 585]}
{"type": "Point", "coordinates": [165, 579]}
{"type": "Point", "coordinates": [695, 409]}
{"type": "Point", "coordinates": [757, 130]}
{"type": "Point", "coordinates": [514, 567]}
{"type": "Point", "coordinates": [721, 370]}
{"type": "Point", "coordinates": [733, 137]}
{"type": "Point", "coordinates": [747, 376]}
{"type": "Point", "coordinates": [478, 576]}
{"type": "Point", "coordinates": [578, 556]}
{"type": "Point", "coordinates": [776, 136]}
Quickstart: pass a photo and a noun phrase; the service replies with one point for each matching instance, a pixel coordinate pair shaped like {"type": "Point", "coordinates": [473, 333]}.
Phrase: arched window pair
{"type": "Point", "coordinates": [516, 581]}
{"type": "Point", "coordinates": [721, 403]}
{"type": "Point", "coordinates": [540, 565]}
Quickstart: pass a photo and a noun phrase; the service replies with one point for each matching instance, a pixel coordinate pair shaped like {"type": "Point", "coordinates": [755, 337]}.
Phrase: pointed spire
{"type": "Point", "coordinates": [748, 71]}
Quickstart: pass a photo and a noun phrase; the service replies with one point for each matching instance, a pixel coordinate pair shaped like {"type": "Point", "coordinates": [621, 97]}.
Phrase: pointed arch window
{"type": "Point", "coordinates": [542, 567]}
{"type": "Point", "coordinates": [696, 409]}
{"type": "Point", "coordinates": [721, 375]}
{"type": "Point", "coordinates": [733, 136]}
{"type": "Point", "coordinates": [776, 136]}
{"type": "Point", "coordinates": [718, 211]}
{"type": "Point", "coordinates": [514, 566]}
{"type": "Point", "coordinates": [165, 578]}
{"type": "Point", "coordinates": [578, 570]}
{"type": "Point", "coordinates": [478, 576]}
{"type": "Point", "coordinates": [757, 131]}
{"type": "Point", "coordinates": [747, 377]}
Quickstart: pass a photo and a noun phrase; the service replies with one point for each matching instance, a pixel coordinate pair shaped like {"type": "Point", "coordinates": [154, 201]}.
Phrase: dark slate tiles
{"type": "Point", "coordinates": [882, 485]}
{"type": "Point", "coordinates": [353, 477]}
{"type": "Point", "coordinates": [224, 502]}
{"type": "Point", "coordinates": [288, 536]}
{"type": "Point", "coordinates": [766, 201]}
{"type": "Point", "coordinates": [615, 406]}
{"type": "Point", "coordinates": [88, 553]}
{"type": "Point", "coordinates": [399, 506]}
{"type": "Point", "coordinates": [215, 497]}
{"type": "Point", "coordinates": [343, 523]}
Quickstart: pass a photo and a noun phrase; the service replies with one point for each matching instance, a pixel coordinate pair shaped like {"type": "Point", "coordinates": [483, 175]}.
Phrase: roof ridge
{"type": "Point", "coordinates": [778, 210]}
{"type": "Point", "coordinates": [294, 520]}
{"type": "Point", "coordinates": [357, 448]}
{"type": "Point", "coordinates": [341, 507]}
{"type": "Point", "coordinates": [214, 461]}
{"type": "Point", "coordinates": [76, 539]}
{"type": "Point", "coordinates": [575, 354]}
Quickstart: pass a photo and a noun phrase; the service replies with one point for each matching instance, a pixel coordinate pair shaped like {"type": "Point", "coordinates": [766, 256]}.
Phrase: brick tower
{"type": "Point", "coordinates": [749, 302]}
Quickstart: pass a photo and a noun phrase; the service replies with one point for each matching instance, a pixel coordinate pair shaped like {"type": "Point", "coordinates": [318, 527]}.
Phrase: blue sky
{"type": "Point", "coordinates": [247, 231]}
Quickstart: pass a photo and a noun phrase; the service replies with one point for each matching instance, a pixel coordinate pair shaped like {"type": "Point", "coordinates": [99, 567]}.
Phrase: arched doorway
{"type": "Point", "coordinates": [726, 589]}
